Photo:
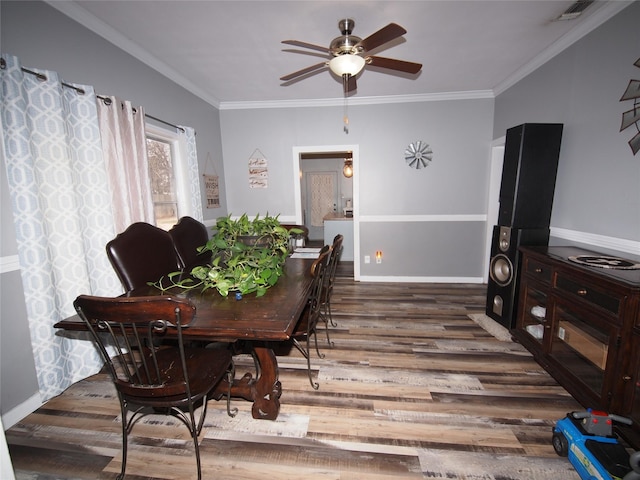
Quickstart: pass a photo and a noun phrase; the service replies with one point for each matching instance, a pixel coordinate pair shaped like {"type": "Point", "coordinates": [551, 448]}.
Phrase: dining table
{"type": "Point", "coordinates": [257, 322]}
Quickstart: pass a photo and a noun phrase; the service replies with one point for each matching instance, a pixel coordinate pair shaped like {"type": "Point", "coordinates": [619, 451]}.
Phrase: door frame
{"type": "Point", "coordinates": [493, 199]}
{"type": "Point", "coordinates": [297, 177]}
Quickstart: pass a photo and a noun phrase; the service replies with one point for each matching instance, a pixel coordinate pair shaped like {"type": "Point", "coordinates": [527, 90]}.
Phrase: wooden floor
{"type": "Point", "coordinates": [413, 389]}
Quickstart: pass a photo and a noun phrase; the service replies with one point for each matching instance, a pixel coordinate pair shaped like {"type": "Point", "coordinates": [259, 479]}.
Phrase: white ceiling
{"type": "Point", "coordinates": [228, 52]}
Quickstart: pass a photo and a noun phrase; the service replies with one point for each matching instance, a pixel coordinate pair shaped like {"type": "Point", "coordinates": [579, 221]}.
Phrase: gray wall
{"type": "Point", "coordinates": [598, 183]}
{"type": "Point", "coordinates": [456, 182]}
{"type": "Point", "coordinates": [17, 367]}
{"type": "Point", "coordinates": [44, 38]}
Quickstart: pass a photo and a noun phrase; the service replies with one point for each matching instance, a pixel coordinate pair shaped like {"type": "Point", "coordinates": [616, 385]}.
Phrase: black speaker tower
{"type": "Point", "coordinates": [526, 198]}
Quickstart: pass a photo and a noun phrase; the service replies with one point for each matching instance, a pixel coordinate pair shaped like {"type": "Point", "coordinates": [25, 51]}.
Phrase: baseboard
{"type": "Point", "coordinates": [13, 416]}
{"type": "Point", "coordinates": [403, 279]}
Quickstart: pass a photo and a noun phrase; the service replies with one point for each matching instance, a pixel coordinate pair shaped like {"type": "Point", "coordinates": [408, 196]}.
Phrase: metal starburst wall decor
{"type": "Point", "coordinates": [632, 117]}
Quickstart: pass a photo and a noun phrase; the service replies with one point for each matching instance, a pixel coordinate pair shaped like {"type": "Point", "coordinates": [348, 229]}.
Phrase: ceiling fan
{"type": "Point", "coordinates": [347, 54]}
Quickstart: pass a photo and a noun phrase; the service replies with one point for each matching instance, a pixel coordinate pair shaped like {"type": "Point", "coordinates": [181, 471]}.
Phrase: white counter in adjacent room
{"type": "Point", "coordinates": [335, 224]}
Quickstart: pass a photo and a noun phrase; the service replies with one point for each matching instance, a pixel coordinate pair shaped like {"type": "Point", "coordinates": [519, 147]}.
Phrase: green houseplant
{"type": "Point", "coordinates": [247, 256]}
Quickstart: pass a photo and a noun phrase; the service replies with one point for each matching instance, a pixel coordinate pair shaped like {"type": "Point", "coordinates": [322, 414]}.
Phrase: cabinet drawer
{"type": "Point", "coordinates": [589, 293]}
{"type": "Point", "coordinates": [540, 271]}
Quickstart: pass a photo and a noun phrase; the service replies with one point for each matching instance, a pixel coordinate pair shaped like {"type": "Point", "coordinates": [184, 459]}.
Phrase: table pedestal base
{"type": "Point", "coordinates": [264, 390]}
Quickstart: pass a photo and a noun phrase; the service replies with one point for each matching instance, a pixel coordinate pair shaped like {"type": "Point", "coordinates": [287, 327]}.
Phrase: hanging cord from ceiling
{"type": "Point", "coordinates": [345, 89]}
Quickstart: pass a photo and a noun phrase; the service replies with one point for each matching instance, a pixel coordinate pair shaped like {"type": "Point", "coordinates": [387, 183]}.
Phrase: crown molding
{"type": "Point", "coordinates": [82, 16]}
{"type": "Point", "coordinates": [86, 19]}
{"type": "Point", "coordinates": [587, 25]}
{"type": "Point", "coordinates": [338, 102]}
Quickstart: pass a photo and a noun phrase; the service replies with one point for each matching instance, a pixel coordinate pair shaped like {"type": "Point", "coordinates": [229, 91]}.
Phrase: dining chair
{"type": "Point", "coordinates": [334, 259]}
{"type": "Point", "coordinates": [306, 327]}
{"type": "Point", "coordinates": [142, 253]}
{"type": "Point", "coordinates": [168, 380]}
{"type": "Point", "coordinates": [187, 235]}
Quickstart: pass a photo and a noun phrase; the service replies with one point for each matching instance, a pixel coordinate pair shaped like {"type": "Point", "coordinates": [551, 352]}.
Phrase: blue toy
{"type": "Point", "coordinates": [594, 451]}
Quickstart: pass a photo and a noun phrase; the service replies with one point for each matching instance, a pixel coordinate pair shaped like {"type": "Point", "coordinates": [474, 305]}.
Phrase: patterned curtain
{"type": "Point", "coordinates": [62, 212]}
{"type": "Point", "coordinates": [124, 149]}
{"type": "Point", "coordinates": [193, 176]}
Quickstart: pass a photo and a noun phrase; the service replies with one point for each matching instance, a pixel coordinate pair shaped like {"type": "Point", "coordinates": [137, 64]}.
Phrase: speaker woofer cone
{"type": "Point", "coordinates": [501, 270]}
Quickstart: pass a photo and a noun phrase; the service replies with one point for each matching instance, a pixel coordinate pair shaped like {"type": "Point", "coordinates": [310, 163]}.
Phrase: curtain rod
{"type": "Point", "coordinates": [166, 123]}
{"type": "Point", "coordinates": [107, 101]}
{"type": "Point", "coordinates": [43, 77]}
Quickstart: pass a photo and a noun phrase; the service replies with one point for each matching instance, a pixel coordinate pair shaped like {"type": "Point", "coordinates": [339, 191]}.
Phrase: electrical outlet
{"type": "Point", "coordinates": [367, 259]}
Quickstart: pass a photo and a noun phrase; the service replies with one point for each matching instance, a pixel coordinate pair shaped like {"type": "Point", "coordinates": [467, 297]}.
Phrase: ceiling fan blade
{"type": "Point", "coordinates": [382, 36]}
{"type": "Point", "coordinates": [304, 71]}
{"type": "Point", "coordinates": [297, 43]}
{"type": "Point", "coordinates": [393, 64]}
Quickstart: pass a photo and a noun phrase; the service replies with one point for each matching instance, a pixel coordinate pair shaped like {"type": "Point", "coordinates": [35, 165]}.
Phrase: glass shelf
{"type": "Point", "coordinates": [535, 312]}
{"type": "Point", "coordinates": [580, 348]}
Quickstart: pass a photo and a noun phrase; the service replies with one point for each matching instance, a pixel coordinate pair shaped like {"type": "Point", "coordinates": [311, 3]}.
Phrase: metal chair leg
{"type": "Point", "coordinates": [326, 330]}
{"type": "Point", "coordinates": [195, 431]}
{"type": "Point", "coordinates": [315, 385]}
{"type": "Point", "coordinates": [333, 324]}
{"type": "Point", "coordinates": [315, 340]}
{"type": "Point", "coordinates": [123, 414]}
{"type": "Point", "coordinates": [231, 374]}
{"type": "Point", "coordinates": [306, 355]}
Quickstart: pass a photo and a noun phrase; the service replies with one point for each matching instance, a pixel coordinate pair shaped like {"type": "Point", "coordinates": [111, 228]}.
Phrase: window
{"type": "Point", "coordinates": [166, 153]}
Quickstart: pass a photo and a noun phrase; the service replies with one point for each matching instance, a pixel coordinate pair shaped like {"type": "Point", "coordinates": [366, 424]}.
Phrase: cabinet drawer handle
{"type": "Point", "coordinates": [626, 378]}
{"type": "Point", "coordinates": [582, 292]}
{"type": "Point", "coordinates": [538, 270]}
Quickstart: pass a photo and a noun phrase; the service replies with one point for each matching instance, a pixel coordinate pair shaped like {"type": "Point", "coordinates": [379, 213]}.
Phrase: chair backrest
{"type": "Point", "coordinates": [142, 253]}
{"type": "Point", "coordinates": [319, 270]}
{"type": "Point", "coordinates": [334, 259]}
{"type": "Point", "coordinates": [134, 326]}
{"type": "Point", "coordinates": [187, 235]}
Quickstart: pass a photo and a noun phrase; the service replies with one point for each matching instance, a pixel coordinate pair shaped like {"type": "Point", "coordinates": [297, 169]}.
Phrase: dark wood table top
{"type": "Point", "coordinates": [271, 317]}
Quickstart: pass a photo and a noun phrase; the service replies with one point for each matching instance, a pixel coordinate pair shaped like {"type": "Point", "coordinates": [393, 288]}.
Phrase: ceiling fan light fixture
{"type": "Point", "coordinates": [347, 64]}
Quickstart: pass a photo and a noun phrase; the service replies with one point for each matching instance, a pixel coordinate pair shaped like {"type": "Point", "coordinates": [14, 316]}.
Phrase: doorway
{"type": "Point", "coordinates": [334, 154]}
